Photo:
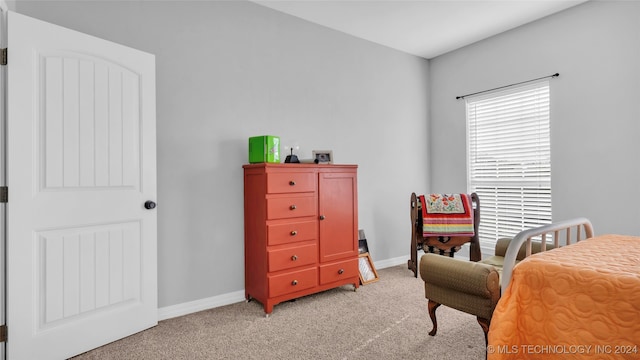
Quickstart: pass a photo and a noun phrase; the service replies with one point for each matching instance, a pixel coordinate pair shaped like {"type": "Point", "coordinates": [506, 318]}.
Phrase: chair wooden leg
{"type": "Point", "coordinates": [484, 323]}
{"type": "Point", "coordinates": [474, 250]}
{"type": "Point", "coordinates": [413, 261]}
{"type": "Point", "coordinates": [432, 314]}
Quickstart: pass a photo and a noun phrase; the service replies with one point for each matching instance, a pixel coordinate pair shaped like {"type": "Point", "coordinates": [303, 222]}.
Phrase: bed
{"type": "Point", "coordinates": [580, 301]}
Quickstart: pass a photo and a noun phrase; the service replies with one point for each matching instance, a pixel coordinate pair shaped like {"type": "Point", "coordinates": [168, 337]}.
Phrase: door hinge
{"type": "Point", "coordinates": [4, 194]}
{"type": "Point", "coordinates": [3, 56]}
{"type": "Point", "coordinates": [3, 333]}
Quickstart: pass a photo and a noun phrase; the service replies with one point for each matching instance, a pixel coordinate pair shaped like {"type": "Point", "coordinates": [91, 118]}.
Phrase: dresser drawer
{"type": "Point", "coordinates": [292, 231]}
{"type": "Point", "coordinates": [337, 271]}
{"type": "Point", "coordinates": [291, 182]}
{"type": "Point", "coordinates": [284, 207]}
{"type": "Point", "coordinates": [292, 257]}
{"type": "Point", "coordinates": [292, 282]}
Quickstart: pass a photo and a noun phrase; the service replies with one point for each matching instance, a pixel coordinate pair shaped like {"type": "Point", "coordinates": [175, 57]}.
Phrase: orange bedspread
{"type": "Point", "coordinates": [581, 301]}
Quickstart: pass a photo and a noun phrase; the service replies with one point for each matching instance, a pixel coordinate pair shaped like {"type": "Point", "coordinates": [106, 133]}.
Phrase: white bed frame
{"type": "Point", "coordinates": [556, 228]}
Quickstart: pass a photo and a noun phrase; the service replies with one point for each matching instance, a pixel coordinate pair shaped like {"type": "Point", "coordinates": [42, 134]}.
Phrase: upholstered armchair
{"type": "Point", "coordinates": [468, 286]}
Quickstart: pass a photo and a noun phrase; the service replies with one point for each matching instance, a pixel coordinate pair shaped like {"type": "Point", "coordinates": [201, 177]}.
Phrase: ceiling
{"type": "Point", "coordinates": [426, 28]}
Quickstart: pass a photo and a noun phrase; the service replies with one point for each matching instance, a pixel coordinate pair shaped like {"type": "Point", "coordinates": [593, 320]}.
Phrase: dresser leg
{"type": "Point", "coordinates": [268, 309]}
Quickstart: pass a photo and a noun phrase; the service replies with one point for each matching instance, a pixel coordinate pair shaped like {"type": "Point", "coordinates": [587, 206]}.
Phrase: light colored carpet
{"type": "Point", "coordinates": [387, 319]}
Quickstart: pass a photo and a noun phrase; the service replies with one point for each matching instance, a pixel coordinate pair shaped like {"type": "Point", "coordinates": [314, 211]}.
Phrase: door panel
{"type": "Point", "coordinates": [338, 208]}
{"type": "Point", "coordinates": [81, 247]}
{"type": "Point", "coordinates": [101, 152]}
{"type": "Point", "coordinates": [82, 270]}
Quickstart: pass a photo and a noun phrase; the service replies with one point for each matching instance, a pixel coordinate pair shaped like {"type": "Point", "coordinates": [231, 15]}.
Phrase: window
{"type": "Point", "coordinates": [509, 160]}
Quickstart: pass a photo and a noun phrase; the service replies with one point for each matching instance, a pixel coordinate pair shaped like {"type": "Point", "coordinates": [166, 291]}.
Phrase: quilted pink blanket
{"type": "Point", "coordinates": [580, 301]}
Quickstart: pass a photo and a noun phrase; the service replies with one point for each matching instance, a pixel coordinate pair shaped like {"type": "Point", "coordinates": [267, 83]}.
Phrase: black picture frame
{"type": "Point", "coordinates": [322, 156]}
{"type": "Point", "coordinates": [363, 247]}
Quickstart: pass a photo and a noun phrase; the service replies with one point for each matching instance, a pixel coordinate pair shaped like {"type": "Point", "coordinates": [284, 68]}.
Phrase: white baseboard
{"type": "Point", "coordinates": [190, 307]}
{"type": "Point", "coordinates": [172, 311]}
{"type": "Point", "coordinates": [381, 264]}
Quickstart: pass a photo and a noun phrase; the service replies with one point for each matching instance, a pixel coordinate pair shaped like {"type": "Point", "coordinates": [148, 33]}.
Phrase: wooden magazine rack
{"type": "Point", "coordinates": [438, 244]}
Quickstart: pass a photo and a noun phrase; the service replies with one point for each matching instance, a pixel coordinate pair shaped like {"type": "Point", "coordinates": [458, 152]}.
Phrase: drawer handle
{"type": "Point", "coordinates": [292, 183]}
{"type": "Point", "coordinates": [294, 282]}
{"type": "Point", "coordinates": [294, 257]}
{"type": "Point", "coordinates": [294, 233]}
{"type": "Point", "coordinates": [292, 207]}
{"type": "Point", "coordinates": [322, 217]}
{"type": "Point", "coordinates": [341, 271]}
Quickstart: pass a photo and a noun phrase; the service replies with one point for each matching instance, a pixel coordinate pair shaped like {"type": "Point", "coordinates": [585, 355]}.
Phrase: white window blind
{"type": "Point", "coordinates": [510, 160]}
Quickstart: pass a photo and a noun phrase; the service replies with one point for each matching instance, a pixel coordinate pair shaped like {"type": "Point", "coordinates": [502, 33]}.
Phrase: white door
{"type": "Point", "coordinates": [81, 246]}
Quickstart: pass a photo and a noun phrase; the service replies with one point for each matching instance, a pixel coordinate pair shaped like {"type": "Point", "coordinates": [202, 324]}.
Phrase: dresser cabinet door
{"type": "Point", "coordinates": [337, 195]}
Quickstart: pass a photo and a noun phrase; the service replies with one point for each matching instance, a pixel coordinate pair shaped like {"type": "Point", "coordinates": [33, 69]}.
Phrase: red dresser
{"type": "Point", "coordinates": [301, 230]}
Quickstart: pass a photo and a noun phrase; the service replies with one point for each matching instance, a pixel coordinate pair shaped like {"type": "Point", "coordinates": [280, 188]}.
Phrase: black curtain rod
{"type": "Point", "coordinates": [506, 86]}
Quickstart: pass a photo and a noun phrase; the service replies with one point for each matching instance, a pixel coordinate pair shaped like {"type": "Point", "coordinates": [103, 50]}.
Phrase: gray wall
{"type": "Point", "coordinates": [230, 70]}
{"type": "Point", "coordinates": [595, 117]}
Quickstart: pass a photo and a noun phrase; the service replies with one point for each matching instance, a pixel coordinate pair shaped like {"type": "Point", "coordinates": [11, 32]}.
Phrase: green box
{"type": "Point", "coordinates": [265, 148]}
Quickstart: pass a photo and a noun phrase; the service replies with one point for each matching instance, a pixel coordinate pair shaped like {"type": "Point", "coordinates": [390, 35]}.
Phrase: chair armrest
{"type": "Point", "coordinates": [501, 246]}
{"type": "Point", "coordinates": [458, 275]}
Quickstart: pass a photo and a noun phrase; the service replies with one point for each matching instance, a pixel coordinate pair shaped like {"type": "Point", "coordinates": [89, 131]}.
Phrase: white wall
{"type": "Point", "coordinates": [595, 117]}
{"type": "Point", "coordinates": [230, 70]}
